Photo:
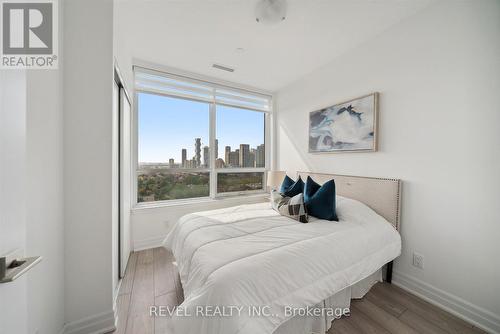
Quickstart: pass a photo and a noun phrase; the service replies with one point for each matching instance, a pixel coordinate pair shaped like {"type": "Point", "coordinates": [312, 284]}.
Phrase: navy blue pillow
{"type": "Point", "coordinates": [287, 183]}
{"type": "Point", "coordinates": [320, 200]}
{"type": "Point", "coordinates": [290, 188]}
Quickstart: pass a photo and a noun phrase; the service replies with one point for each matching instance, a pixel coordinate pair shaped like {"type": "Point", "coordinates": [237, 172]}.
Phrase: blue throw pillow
{"type": "Point", "coordinates": [289, 188]}
{"type": "Point", "coordinates": [287, 183]}
{"type": "Point", "coordinates": [320, 200]}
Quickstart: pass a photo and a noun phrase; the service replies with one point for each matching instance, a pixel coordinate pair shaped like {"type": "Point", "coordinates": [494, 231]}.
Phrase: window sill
{"type": "Point", "coordinates": [193, 201]}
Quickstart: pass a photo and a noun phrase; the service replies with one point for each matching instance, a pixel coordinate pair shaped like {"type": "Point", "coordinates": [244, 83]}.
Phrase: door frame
{"type": "Point", "coordinates": [121, 89]}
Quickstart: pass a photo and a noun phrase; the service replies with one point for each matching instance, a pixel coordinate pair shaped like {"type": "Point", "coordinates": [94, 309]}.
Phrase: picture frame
{"type": "Point", "coordinates": [349, 126]}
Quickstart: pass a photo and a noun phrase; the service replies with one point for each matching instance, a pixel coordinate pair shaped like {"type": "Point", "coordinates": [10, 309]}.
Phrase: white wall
{"type": "Point", "coordinates": [88, 82]}
{"type": "Point", "coordinates": [44, 205]}
{"type": "Point", "coordinates": [121, 44]}
{"type": "Point", "coordinates": [33, 151]}
{"type": "Point", "coordinates": [438, 74]}
{"type": "Point", "coordinates": [13, 296]}
{"type": "Point", "coordinates": [32, 199]}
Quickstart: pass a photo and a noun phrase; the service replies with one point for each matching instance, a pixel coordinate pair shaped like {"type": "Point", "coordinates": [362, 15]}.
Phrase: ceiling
{"type": "Point", "coordinates": [191, 35]}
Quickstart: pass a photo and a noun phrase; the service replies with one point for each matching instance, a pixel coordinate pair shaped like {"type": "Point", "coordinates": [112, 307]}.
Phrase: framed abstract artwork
{"type": "Point", "coordinates": [349, 126]}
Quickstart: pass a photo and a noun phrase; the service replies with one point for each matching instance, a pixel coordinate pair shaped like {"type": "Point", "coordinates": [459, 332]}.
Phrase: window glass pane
{"type": "Point", "coordinates": [173, 133]}
{"type": "Point", "coordinates": [229, 182]}
{"type": "Point", "coordinates": [162, 184]}
{"type": "Point", "coordinates": [240, 138]}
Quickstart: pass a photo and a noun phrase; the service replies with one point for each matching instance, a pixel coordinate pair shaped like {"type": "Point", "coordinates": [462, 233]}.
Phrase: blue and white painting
{"type": "Point", "coordinates": [348, 126]}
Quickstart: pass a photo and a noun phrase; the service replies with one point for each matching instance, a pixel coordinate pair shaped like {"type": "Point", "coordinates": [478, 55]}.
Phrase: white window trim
{"type": "Point", "coordinates": [197, 200]}
{"type": "Point", "coordinates": [269, 142]}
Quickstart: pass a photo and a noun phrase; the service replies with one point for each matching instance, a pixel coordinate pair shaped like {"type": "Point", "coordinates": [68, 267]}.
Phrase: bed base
{"type": "Point", "coordinates": [388, 272]}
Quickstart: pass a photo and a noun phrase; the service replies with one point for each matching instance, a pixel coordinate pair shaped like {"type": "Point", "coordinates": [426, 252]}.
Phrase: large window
{"type": "Point", "coordinates": [197, 139]}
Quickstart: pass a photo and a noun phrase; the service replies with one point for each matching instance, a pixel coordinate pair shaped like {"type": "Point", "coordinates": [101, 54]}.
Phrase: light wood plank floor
{"type": "Point", "coordinates": [152, 279]}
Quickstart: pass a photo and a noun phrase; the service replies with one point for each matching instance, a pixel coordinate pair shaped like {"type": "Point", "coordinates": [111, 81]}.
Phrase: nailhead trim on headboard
{"type": "Point", "coordinates": [383, 197]}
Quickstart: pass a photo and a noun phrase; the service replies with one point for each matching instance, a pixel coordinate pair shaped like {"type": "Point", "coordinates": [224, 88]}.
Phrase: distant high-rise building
{"type": "Point", "coordinates": [251, 158]}
{"type": "Point", "coordinates": [234, 159]}
{"type": "Point", "coordinates": [245, 155]}
{"type": "Point", "coordinates": [260, 156]}
{"type": "Point", "coordinates": [171, 163]}
{"type": "Point", "coordinates": [227, 151]}
{"type": "Point", "coordinates": [206, 156]}
{"type": "Point", "coordinates": [192, 163]}
{"type": "Point", "coordinates": [184, 157]}
{"type": "Point", "coordinates": [197, 150]}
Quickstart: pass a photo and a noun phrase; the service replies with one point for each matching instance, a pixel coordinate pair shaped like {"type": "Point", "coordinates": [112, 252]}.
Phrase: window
{"type": "Point", "coordinates": [197, 139]}
{"type": "Point", "coordinates": [173, 135]}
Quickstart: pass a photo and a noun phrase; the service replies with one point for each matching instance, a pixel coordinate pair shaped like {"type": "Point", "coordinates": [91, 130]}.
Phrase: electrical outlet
{"type": "Point", "coordinates": [418, 260]}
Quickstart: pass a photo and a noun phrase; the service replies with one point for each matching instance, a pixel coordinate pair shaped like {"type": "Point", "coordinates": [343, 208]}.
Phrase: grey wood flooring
{"type": "Point", "coordinates": [152, 279]}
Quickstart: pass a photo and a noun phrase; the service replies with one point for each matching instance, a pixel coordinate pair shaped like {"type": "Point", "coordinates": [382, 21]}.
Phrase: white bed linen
{"type": "Point", "coordinates": [341, 300]}
{"type": "Point", "coordinates": [251, 256]}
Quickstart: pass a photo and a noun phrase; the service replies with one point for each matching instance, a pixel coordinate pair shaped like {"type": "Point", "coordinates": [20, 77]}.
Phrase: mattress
{"type": "Point", "coordinates": [250, 259]}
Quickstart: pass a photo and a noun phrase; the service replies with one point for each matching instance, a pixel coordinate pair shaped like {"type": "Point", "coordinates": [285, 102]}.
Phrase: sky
{"type": "Point", "coordinates": [167, 125]}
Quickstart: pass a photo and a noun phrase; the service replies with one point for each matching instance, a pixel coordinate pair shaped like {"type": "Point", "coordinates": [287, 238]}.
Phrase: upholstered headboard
{"type": "Point", "coordinates": [381, 194]}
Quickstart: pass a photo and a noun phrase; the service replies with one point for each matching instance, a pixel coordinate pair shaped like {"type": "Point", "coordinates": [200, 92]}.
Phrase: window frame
{"type": "Point", "coordinates": [212, 170]}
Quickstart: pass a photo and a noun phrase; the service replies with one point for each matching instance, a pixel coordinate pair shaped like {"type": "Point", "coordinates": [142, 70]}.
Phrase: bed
{"type": "Point", "coordinates": [246, 269]}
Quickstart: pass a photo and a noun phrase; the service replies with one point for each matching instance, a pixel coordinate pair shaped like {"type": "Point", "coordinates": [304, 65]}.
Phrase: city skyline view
{"type": "Point", "coordinates": [240, 156]}
{"type": "Point", "coordinates": [158, 142]}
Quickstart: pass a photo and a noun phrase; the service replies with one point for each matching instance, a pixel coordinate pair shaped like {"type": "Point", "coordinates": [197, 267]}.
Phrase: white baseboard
{"type": "Point", "coordinates": [457, 306]}
{"type": "Point", "coordinates": [148, 243]}
{"type": "Point", "coordinates": [96, 324]}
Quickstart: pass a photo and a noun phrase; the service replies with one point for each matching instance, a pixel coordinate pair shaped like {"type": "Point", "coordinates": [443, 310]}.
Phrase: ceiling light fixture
{"type": "Point", "coordinates": [270, 11]}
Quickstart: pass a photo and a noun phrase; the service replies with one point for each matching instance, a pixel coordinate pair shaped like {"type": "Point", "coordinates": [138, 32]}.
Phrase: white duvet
{"type": "Point", "coordinates": [249, 258]}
